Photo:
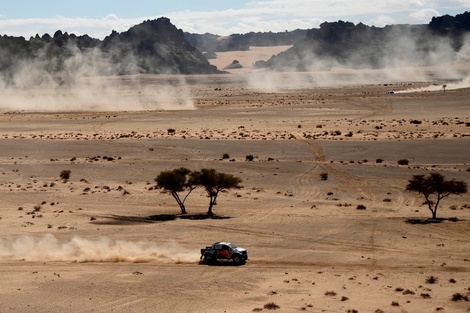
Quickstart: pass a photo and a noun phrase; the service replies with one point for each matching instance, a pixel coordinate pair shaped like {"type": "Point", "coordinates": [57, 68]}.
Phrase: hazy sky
{"type": "Point", "coordinates": [98, 17]}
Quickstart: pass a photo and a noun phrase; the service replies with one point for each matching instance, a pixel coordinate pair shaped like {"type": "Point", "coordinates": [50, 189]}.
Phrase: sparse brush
{"type": "Point", "coordinates": [459, 297]}
{"type": "Point", "coordinates": [324, 176]}
{"type": "Point", "coordinates": [408, 292]}
{"type": "Point", "coordinates": [271, 306]}
{"type": "Point", "coordinates": [330, 293]}
{"type": "Point", "coordinates": [394, 303]}
{"type": "Point", "coordinates": [360, 207]}
{"type": "Point", "coordinates": [403, 162]}
{"type": "Point", "coordinates": [65, 174]}
{"type": "Point", "coordinates": [431, 280]}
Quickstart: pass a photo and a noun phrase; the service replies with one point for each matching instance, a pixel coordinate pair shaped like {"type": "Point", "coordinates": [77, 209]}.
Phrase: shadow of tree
{"type": "Point", "coordinates": [134, 220]}
{"type": "Point", "coordinates": [423, 221]}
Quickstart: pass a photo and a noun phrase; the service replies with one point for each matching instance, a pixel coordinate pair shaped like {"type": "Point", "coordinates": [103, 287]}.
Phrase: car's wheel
{"type": "Point", "coordinates": [209, 258]}
{"type": "Point", "coordinates": [237, 259]}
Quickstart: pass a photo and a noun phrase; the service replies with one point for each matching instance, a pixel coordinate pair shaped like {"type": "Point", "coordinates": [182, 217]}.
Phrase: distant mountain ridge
{"type": "Point", "coordinates": [158, 47]}
{"type": "Point", "coordinates": [242, 42]}
{"type": "Point", "coordinates": [360, 46]}
{"type": "Point", "coordinates": [154, 47]}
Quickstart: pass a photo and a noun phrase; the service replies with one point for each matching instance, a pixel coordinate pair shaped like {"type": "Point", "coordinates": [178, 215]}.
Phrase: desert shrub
{"type": "Point", "coordinates": [330, 293]}
{"type": "Point", "coordinates": [403, 162]}
{"type": "Point", "coordinates": [379, 160]}
{"type": "Point", "coordinates": [37, 208]}
{"type": "Point", "coordinates": [257, 309]}
{"type": "Point", "coordinates": [394, 303]}
{"type": "Point", "coordinates": [249, 157]}
{"type": "Point", "coordinates": [459, 297]}
{"type": "Point", "coordinates": [65, 174]}
{"type": "Point", "coordinates": [171, 131]}
{"type": "Point", "coordinates": [408, 292]}
{"type": "Point", "coordinates": [379, 311]}
{"type": "Point", "coordinates": [452, 281]}
{"type": "Point", "coordinates": [324, 176]}
{"type": "Point", "coordinates": [425, 295]}
{"type": "Point", "coordinates": [398, 289]}
{"type": "Point", "coordinates": [271, 306]}
{"type": "Point", "coordinates": [431, 280]}
{"type": "Point", "coordinates": [360, 207]}
{"type": "Point", "coordinates": [350, 134]}
{"type": "Point", "coordinates": [225, 156]}
{"type": "Point", "coordinates": [417, 122]}
{"type": "Point", "coordinates": [343, 298]}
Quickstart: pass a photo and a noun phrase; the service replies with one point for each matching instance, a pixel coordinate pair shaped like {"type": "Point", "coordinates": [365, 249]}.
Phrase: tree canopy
{"type": "Point", "coordinates": [434, 188]}
{"type": "Point", "coordinates": [182, 179]}
{"type": "Point", "coordinates": [174, 182]}
{"type": "Point", "coordinates": [213, 182]}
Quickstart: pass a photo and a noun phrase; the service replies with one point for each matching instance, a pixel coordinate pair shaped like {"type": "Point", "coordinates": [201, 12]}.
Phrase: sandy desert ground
{"type": "Point", "coordinates": [106, 241]}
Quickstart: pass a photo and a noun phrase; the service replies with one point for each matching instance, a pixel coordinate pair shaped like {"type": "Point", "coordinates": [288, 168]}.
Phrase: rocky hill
{"type": "Point", "coordinates": [345, 44]}
{"type": "Point", "coordinates": [154, 46]}
{"type": "Point", "coordinates": [241, 42]}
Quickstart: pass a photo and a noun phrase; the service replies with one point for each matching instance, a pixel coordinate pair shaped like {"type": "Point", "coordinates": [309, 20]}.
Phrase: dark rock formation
{"type": "Point", "coordinates": [359, 46]}
{"type": "Point", "coordinates": [242, 42]}
{"type": "Point", "coordinates": [156, 47]}
{"type": "Point", "coordinates": [234, 65]}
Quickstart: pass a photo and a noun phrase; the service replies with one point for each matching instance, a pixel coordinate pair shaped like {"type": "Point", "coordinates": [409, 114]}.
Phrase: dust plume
{"type": "Point", "coordinates": [401, 55]}
{"type": "Point", "coordinates": [88, 81]}
{"type": "Point", "coordinates": [49, 248]}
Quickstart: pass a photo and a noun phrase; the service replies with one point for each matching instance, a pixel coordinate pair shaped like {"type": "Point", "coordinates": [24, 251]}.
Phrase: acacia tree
{"type": "Point", "coordinates": [174, 182]}
{"type": "Point", "coordinates": [434, 188]}
{"type": "Point", "coordinates": [214, 182]}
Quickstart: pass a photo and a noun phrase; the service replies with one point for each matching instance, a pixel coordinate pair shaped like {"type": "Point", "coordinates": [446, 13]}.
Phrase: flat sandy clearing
{"type": "Point", "coordinates": [106, 241]}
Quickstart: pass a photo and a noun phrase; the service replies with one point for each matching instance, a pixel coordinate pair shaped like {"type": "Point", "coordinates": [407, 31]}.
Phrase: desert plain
{"type": "Point", "coordinates": [106, 240]}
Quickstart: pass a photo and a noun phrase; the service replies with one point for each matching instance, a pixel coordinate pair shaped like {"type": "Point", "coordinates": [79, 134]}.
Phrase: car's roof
{"type": "Point", "coordinates": [222, 243]}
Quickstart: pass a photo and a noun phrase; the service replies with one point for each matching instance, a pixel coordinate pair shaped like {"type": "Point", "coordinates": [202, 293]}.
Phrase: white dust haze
{"type": "Point", "coordinates": [77, 249]}
{"type": "Point", "coordinates": [403, 62]}
{"type": "Point", "coordinates": [89, 81]}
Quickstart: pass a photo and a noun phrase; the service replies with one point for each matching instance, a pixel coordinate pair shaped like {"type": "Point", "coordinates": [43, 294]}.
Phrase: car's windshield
{"type": "Point", "coordinates": [232, 246]}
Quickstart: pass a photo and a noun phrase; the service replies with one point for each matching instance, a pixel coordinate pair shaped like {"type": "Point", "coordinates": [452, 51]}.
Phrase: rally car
{"type": "Point", "coordinates": [224, 251]}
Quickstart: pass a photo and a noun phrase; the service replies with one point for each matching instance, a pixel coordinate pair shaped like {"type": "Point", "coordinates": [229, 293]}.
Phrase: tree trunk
{"type": "Point", "coordinates": [211, 204]}
{"type": "Point", "coordinates": [180, 203]}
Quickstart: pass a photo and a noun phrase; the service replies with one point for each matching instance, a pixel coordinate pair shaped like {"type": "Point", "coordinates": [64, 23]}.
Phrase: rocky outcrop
{"type": "Point", "coordinates": [360, 46]}
{"type": "Point", "coordinates": [233, 66]}
{"type": "Point", "coordinates": [242, 42]}
{"type": "Point", "coordinates": [154, 46]}
{"type": "Point", "coordinates": [157, 47]}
